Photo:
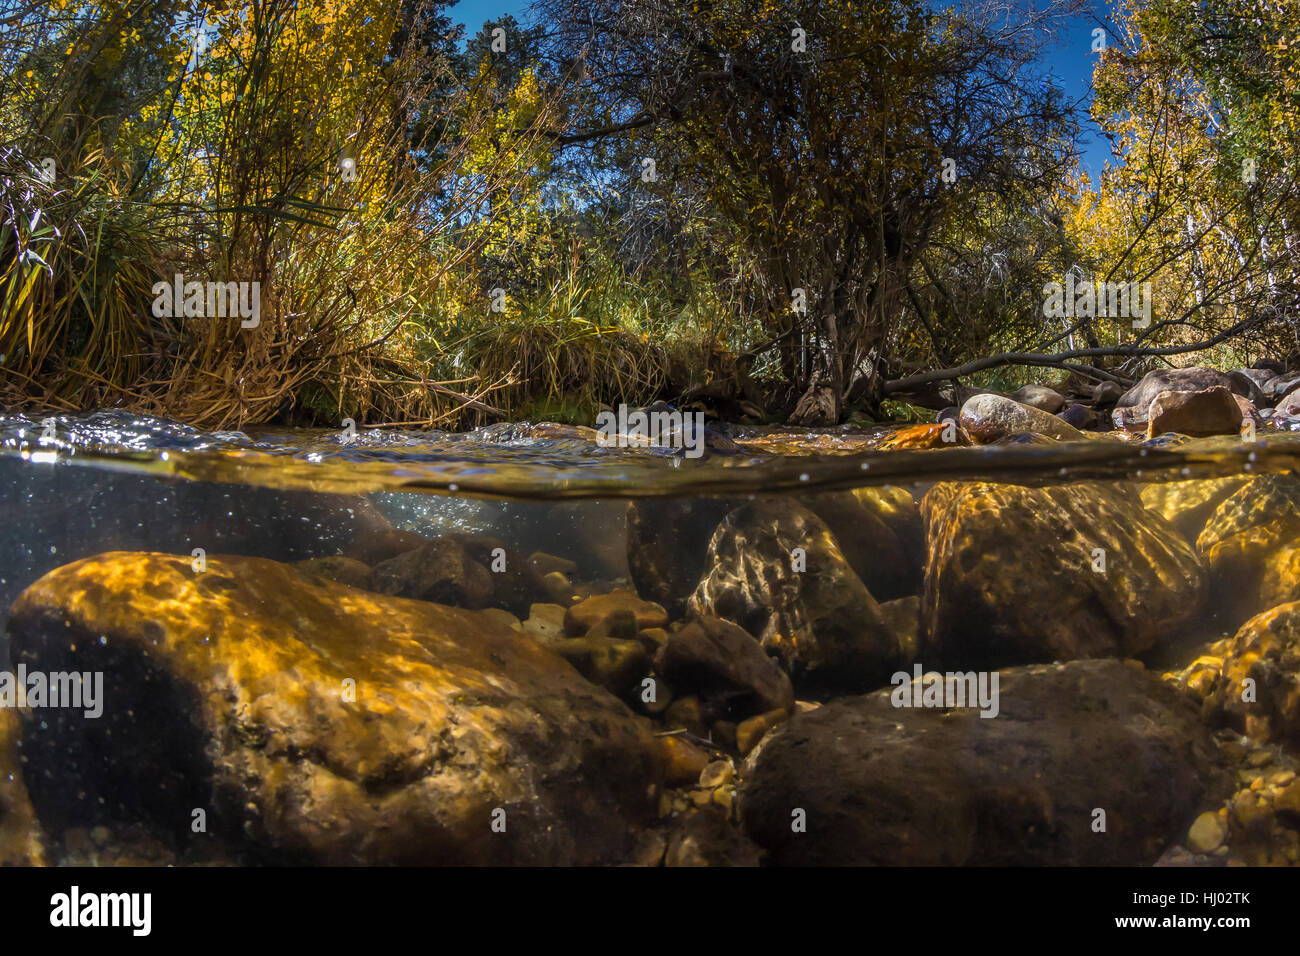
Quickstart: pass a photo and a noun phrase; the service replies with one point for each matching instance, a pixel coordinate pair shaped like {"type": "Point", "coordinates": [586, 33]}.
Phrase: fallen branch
{"type": "Point", "coordinates": [1059, 359]}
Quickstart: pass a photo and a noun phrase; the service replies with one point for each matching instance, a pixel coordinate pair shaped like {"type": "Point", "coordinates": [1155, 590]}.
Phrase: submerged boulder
{"type": "Point", "coordinates": [877, 534]}
{"type": "Point", "coordinates": [340, 569]}
{"type": "Point", "coordinates": [725, 668]}
{"type": "Point", "coordinates": [706, 837]}
{"type": "Point", "coordinates": [1020, 575]}
{"type": "Point", "coordinates": [586, 614]}
{"type": "Point", "coordinates": [1244, 542]}
{"type": "Point", "coordinates": [20, 834]}
{"type": "Point", "coordinates": [668, 545]}
{"type": "Point", "coordinates": [897, 508]}
{"type": "Point", "coordinates": [1188, 505]}
{"type": "Point", "coordinates": [879, 784]}
{"type": "Point", "coordinates": [1251, 681]}
{"type": "Point", "coordinates": [779, 573]}
{"type": "Point", "coordinates": [321, 724]}
{"type": "Point", "coordinates": [516, 584]}
{"type": "Point", "coordinates": [616, 664]}
{"type": "Point", "coordinates": [1268, 506]}
{"type": "Point", "coordinates": [442, 570]}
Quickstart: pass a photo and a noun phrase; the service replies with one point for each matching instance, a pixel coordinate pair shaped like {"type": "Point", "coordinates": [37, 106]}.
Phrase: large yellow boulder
{"type": "Point", "coordinates": [313, 722]}
{"type": "Point", "coordinates": [1020, 575]}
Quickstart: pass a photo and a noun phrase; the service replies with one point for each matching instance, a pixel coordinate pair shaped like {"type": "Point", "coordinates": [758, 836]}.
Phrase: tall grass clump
{"type": "Point", "coordinates": [317, 149]}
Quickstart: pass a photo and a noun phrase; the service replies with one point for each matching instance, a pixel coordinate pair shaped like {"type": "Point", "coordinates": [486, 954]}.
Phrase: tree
{"type": "Point", "coordinates": [834, 141]}
{"type": "Point", "coordinates": [1202, 104]}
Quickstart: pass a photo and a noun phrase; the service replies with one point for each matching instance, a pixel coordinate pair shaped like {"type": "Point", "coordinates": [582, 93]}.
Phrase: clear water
{"type": "Point", "coordinates": [465, 704]}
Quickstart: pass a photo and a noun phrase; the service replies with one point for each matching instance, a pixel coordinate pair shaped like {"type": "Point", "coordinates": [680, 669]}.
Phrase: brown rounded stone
{"type": "Point", "coordinates": [319, 723]}
{"type": "Point", "coordinates": [582, 616]}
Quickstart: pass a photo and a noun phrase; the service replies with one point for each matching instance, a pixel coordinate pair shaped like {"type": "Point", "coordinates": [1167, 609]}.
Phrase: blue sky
{"type": "Point", "coordinates": [1071, 61]}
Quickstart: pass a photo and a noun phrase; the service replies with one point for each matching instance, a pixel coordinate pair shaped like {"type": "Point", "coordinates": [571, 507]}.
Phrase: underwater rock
{"type": "Point", "coordinates": [779, 574]}
{"type": "Point", "coordinates": [441, 571]}
{"type": "Point", "coordinates": [593, 533]}
{"type": "Point", "coordinates": [668, 545]}
{"type": "Point", "coordinates": [924, 786]}
{"type": "Point", "coordinates": [896, 507]}
{"type": "Point", "coordinates": [558, 588]}
{"type": "Point", "coordinates": [683, 762]}
{"type": "Point", "coordinates": [545, 623]}
{"type": "Point", "coordinates": [750, 732]}
{"type": "Point", "coordinates": [21, 843]}
{"type": "Point", "coordinates": [545, 564]}
{"type": "Point", "coordinates": [1251, 681]}
{"type": "Point", "coordinates": [1253, 574]}
{"type": "Point", "coordinates": [621, 625]}
{"type": "Point", "coordinates": [586, 614]}
{"type": "Point", "coordinates": [612, 663]}
{"type": "Point", "coordinates": [1020, 575]}
{"type": "Point", "coordinates": [1039, 396]}
{"type": "Point", "coordinates": [48, 508]}
{"type": "Point", "coordinates": [1188, 505]}
{"type": "Point", "coordinates": [515, 582]}
{"type": "Point", "coordinates": [1206, 833]}
{"type": "Point", "coordinates": [338, 569]}
{"type": "Point", "coordinates": [1246, 532]}
{"type": "Point", "coordinates": [383, 545]}
{"type": "Point", "coordinates": [1269, 502]}
{"type": "Point", "coordinates": [1209, 411]}
{"type": "Point", "coordinates": [874, 549]}
{"type": "Point", "coordinates": [705, 837]}
{"type": "Point", "coordinates": [684, 713]}
{"type": "Point", "coordinates": [1259, 824]}
{"type": "Point", "coordinates": [903, 617]}
{"type": "Point", "coordinates": [321, 724]}
{"type": "Point", "coordinates": [989, 417]}
{"type": "Point", "coordinates": [722, 665]}
{"type": "Point", "coordinates": [1280, 581]}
